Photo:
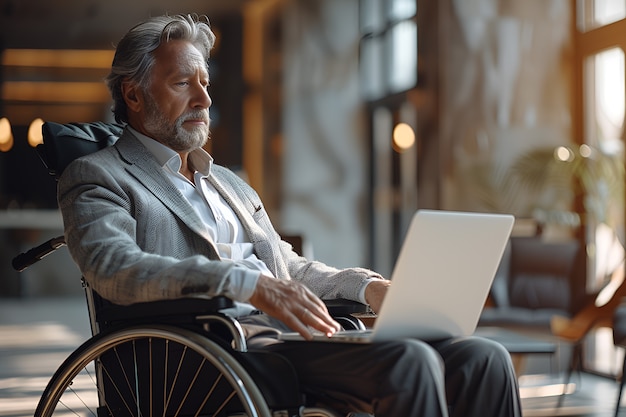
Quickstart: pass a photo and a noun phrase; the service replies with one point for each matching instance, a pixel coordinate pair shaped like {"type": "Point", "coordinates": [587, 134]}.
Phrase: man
{"type": "Point", "coordinates": [153, 217]}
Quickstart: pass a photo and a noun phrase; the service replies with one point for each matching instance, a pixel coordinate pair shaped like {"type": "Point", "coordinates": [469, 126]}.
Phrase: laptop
{"type": "Point", "coordinates": [441, 278]}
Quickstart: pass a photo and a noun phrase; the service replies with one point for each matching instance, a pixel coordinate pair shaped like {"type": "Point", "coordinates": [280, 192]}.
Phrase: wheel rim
{"type": "Point", "coordinates": [151, 371]}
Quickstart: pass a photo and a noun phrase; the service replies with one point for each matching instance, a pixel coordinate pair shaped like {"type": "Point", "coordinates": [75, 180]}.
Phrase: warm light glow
{"type": "Point", "coordinates": [585, 150]}
{"type": "Point", "coordinates": [403, 137]}
{"type": "Point", "coordinates": [550, 390]}
{"type": "Point", "coordinates": [55, 92]}
{"type": "Point", "coordinates": [35, 136]}
{"type": "Point", "coordinates": [564, 154]}
{"type": "Point", "coordinates": [57, 58]}
{"type": "Point", "coordinates": [5, 130]}
{"type": "Point", "coordinates": [6, 136]}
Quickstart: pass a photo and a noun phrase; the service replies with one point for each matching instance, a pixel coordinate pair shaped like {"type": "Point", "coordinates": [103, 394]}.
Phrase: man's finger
{"type": "Point", "coordinates": [319, 319]}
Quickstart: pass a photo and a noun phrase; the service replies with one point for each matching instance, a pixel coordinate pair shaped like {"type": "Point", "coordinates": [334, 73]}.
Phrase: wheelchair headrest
{"type": "Point", "coordinates": [62, 143]}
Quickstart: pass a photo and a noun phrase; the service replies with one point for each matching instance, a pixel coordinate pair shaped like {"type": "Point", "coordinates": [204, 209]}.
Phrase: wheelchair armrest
{"type": "Point", "coordinates": [187, 310]}
{"type": "Point", "coordinates": [180, 311]}
{"type": "Point", "coordinates": [107, 312]}
{"type": "Point", "coordinates": [342, 307]}
{"type": "Point", "coordinates": [342, 311]}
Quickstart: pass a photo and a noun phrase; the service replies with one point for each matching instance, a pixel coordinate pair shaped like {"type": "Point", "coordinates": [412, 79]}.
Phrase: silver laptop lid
{"type": "Point", "coordinates": [443, 274]}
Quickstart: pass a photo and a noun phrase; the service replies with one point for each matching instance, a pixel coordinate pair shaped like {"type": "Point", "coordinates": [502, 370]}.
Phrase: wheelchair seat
{"type": "Point", "coordinates": [167, 358]}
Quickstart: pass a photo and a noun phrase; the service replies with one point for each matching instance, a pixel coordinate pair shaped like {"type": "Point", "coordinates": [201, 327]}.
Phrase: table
{"type": "Point", "coordinates": [518, 345]}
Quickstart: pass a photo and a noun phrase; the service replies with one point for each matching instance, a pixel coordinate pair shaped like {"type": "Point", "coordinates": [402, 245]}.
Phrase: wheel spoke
{"type": "Point", "coordinates": [137, 398]}
{"type": "Point", "coordinates": [210, 393]}
{"type": "Point", "coordinates": [117, 389]}
{"type": "Point", "coordinates": [165, 368]}
{"type": "Point", "coordinates": [176, 374]}
{"type": "Point", "coordinates": [195, 377]}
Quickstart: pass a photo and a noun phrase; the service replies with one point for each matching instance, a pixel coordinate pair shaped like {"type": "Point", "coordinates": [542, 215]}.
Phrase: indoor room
{"type": "Point", "coordinates": [346, 117]}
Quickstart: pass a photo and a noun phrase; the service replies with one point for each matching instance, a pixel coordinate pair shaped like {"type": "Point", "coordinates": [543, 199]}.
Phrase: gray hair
{"type": "Point", "coordinates": [134, 55]}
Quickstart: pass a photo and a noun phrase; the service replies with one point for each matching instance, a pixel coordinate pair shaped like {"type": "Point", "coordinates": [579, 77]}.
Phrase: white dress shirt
{"type": "Point", "coordinates": [224, 227]}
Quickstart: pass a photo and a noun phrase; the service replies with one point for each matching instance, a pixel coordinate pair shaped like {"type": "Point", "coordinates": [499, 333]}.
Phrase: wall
{"type": "Point", "coordinates": [325, 164]}
{"type": "Point", "coordinates": [505, 89]}
{"type": "Point", "coordinates": [504, 84]}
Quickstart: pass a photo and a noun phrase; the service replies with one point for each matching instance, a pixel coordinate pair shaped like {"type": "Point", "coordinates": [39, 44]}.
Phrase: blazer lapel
{"type": "Point", "coordinates": [142, 165]}
{"type": "Point", "coordinates": [244, 209]}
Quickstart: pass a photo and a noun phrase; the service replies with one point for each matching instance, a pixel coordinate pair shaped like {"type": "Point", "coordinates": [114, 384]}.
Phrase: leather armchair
{"type": "Point", "coordinates": [536, 280]}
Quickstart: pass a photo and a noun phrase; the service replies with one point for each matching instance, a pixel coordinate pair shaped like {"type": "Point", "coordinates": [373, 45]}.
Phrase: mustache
{"type": "Point", "coordinates": [195, 115]}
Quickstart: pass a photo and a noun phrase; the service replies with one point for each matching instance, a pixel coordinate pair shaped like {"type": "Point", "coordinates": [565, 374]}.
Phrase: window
{"type": "Point", "coordinates": [593, 14]}
{"type": "Point", "coordinates": [388, 70]}
{"type": "Point", "coordinates": [601, 43]}
{"type": "Point", "coordinates": [388, 47]}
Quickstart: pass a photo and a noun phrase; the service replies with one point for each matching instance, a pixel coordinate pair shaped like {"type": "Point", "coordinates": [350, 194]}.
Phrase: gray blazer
{"type": "Point", "coordinates": [135, 237]}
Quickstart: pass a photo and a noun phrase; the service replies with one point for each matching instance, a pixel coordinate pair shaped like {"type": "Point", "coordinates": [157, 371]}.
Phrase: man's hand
{"type": "Point", "coordinates": [293, 304]}
{"type": "Point", "coordinates": [375, 293]}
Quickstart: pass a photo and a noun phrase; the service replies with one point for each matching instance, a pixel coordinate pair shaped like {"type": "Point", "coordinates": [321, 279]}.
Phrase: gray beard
{"type": "Point", "coordinates": [175, 136]}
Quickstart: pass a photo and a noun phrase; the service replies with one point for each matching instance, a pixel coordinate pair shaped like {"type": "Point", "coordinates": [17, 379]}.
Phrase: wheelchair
{"type": "Point", "coordinates": [165, 358]}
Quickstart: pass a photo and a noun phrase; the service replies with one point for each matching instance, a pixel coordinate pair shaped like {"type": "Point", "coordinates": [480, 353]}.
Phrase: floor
{"type": "Point", "coordinates": [37, 334]}
{"type": "Point", "coordinates": [589, 396]}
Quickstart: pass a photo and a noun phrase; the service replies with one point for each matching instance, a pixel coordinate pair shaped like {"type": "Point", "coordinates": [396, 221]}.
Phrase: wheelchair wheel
{"type": "Point", "coordinates": [151, 371]}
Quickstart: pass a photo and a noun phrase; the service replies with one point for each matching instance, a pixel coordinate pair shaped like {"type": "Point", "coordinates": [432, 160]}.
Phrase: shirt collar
{"type": "Point", "coordinates": [200, 159]}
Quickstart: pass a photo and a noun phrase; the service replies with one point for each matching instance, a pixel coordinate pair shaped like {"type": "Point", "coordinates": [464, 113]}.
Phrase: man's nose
{"type": "Point", "coordinates": [202, 98]}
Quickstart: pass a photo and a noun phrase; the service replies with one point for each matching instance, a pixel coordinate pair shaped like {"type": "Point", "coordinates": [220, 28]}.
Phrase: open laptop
{"type": "Point", "coordinates": [441, 278]}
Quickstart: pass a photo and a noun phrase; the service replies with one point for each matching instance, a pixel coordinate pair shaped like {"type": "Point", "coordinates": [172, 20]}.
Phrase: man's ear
{"type": "Point", "coordinates": [132, 96]}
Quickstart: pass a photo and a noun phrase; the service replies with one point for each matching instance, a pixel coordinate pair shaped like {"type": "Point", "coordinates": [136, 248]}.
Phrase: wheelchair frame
{"type": "Point", "coordinates": [125, 369]}
{"type": "Point", "coordinates": [217, 339]}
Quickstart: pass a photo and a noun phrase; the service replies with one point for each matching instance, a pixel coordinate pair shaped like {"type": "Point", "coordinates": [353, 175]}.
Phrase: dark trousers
{"type": "Point", "coordinates": [463, 377]}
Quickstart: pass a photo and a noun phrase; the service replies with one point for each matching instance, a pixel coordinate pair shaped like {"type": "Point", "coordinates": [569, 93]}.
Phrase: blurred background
{"type": "Point", "coordinates": [347, 116]}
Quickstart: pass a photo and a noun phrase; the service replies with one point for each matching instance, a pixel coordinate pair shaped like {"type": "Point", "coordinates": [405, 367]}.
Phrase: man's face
{"type": "Point", "coordinates": [176, 105]}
